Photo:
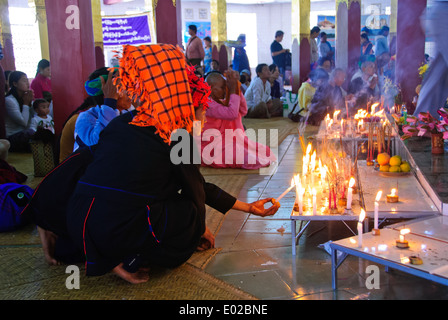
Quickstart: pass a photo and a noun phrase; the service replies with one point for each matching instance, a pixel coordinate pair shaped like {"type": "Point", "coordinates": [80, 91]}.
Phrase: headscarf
{"type": "Point", "coordinates": [167, 88]}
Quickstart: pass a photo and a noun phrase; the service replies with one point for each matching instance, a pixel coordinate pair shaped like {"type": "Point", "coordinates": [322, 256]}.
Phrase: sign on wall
{"type": "Point", "coordinates": [129, 29]}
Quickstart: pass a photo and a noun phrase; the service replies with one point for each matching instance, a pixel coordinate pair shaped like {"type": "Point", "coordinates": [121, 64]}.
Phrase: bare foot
{"type": "Point", "coordinates": [140, 276]}
{"type": "Point", "coordinates": [48, 240]}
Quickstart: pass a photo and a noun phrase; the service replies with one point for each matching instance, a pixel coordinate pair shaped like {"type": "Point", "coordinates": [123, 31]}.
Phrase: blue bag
{"type": "Point", "coordinates": [14, 198]}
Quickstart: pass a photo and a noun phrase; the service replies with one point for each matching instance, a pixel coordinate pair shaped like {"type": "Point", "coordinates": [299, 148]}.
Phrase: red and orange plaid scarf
{"type": "Point", "coordinates": [158, 76]}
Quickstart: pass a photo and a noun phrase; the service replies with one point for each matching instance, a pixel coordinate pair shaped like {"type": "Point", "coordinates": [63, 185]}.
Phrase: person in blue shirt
{"type": "Point", "coordinates": [382, 47]}
{"type": "Point", "coordinates": [278, 53]}
{"type": "Point", "coordinates": [208, 55]}
{"type": "Point", "coordinates": [240, 59]}
{"type": "Point", "coordinates": [91, 122]}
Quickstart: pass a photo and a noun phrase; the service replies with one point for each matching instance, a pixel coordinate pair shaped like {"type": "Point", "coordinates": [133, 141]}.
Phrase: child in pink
{"type": "Point", "coordinates": [224, 140]}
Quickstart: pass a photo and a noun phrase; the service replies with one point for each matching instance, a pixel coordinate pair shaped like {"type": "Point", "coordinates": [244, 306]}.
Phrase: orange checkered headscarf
{"type": "Point", "coordinates": [158, 76]}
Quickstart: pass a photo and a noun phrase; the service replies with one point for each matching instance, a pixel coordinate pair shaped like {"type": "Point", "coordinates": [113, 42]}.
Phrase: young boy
{"type": "Point", "coordinates": [42, 119]}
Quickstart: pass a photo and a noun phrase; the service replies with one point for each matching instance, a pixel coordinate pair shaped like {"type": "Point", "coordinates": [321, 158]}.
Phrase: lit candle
{"type": "Point", "coordinates": [323, 175]}
{"type": "Point", "coordinates": [286, 191]}
{"type": "Point", "coordinates": [298, 185]}
{"type": "Point", "coordinates": [314, 202]}
{"type": "Point", "coordinates": [335, 116]}
{"type": "Point", "coordinates": [362, 216]}
{"type": "Point", "coordinates": [350, 193]}
{"type": "Point", "coordinates": [373, 108]}
{"type": "Point", "coordinates": [377, 199]}
{"type": "Point", "coordinates": [393, 197]}
{"type": "Point", "coordinates": [402, 242]}
{"type": "Point", "coordinates": [301, 193]}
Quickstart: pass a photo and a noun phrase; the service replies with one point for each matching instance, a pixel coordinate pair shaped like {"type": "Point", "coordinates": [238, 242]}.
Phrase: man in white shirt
{"type": "Point", "coordinates": [258, 96]}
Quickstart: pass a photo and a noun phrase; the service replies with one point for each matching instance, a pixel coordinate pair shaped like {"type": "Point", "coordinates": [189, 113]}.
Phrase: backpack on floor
{"type": "Point", "coordinates": [13, 199]}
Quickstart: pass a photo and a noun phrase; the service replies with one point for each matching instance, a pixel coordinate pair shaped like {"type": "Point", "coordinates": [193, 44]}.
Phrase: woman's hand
{"type": "Point", "coordinates": [207, 240]}
{"type": "Point", "coordinates": [28, 97]}
{"type": "Point", "coordinates": [257, 208]}
{"type": "Point", "coordinates": [109, 89]}
{"type": "Point", "coordinates": [232, 78]}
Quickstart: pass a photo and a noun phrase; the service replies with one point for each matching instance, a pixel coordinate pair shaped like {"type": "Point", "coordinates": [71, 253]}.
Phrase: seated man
{"type": "Point", "coordinates": [224, 141]}
{"type": "Point", "coordinates": [258, 96]}
{"type": "Point", "coordinates": [328, 98]}
{"type": "Point", "coordinates": [364, 85]}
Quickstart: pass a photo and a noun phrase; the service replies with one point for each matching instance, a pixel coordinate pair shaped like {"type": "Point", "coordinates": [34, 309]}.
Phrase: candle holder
{"type": "Point", "coordinates": [334, 211]}
{"type": "Point", "coordinates": [376, 232]}
{"type": "Point", "coordinates": [348, 212]}
{"type": "Point", "coordinates": [402, 244]}
{"type": "Point", "coordinates": [416, 260]}
{"type": "Point", "coordinates": [392, 198]}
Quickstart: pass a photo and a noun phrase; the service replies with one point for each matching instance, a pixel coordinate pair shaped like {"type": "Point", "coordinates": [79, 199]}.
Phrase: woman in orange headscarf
{"type": "Point", "coordinates": [134, 203]}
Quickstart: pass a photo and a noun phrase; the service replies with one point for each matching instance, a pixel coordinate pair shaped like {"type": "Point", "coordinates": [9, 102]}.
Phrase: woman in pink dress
{"type": "Point", "coordinates": [224, 140]}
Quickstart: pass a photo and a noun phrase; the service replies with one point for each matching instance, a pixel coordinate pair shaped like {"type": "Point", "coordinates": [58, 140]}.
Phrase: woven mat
{"type": "Point", "coordinates": [214, 219]}
{"type": "Point", "coordinates": [25, 276]}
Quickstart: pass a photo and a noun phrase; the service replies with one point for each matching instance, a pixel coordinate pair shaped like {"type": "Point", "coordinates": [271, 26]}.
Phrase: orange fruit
{"type": "Point", "coordinates": [395, 161]}
{"type": "Point", "coordinates": [383, 159]}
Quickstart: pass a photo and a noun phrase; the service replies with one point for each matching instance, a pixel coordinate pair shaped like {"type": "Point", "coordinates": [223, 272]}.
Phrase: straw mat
{"type": "Point", "coordinates": [25, 275]}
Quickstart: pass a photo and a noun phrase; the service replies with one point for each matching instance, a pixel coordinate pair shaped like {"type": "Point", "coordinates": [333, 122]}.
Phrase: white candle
{"type": "Point", "coordinates": [350, 193]}
{"type": "Point", "coordinates": [377, 199]}
{"type": "Point", "coordinates": [286, 191]}
{"type": "Point", "coordinates": [362, 216]}
{"type": "Point", "coordinates": [314, 202]}
{"type": "Point", "coordinates": [298, 186]}
{"type": "Point", "coordinates": [403, 232]}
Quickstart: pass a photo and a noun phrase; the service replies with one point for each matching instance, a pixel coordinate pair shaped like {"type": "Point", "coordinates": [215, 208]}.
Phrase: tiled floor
{"type": "Point", "coordinates": [257, 257]}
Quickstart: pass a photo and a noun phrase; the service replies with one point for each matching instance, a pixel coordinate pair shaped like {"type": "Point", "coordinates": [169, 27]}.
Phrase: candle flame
{"type": "Point", "coordinates": [378, 196]}
{"type": "Point", "coordinates": [298, 183]}
{"type": "Point", "coordinates": [404, 231]}
{"type": "Point", "coordinates": [394, 191]}
{"type": "Point", "coordinates": [351, 183]}
{"type": "Point", "coordinates": [314, 192]}
{"type": "Point", "coordinates": [313, 161]}
{"type": "Point", "coordinates": [308, 148]}
{"type": "Point", "coordinates": [374, 107]}
{"type": "Point", "coordinates": [362, 215]}
{"type": "Point", "coordinates": [335, 114]}
{"type": "Point", "coordinates": [292, 182]}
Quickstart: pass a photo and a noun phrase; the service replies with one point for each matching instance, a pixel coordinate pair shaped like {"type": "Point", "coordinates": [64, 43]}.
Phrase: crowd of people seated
{"type": "Point", "coordinates": [29, 107]}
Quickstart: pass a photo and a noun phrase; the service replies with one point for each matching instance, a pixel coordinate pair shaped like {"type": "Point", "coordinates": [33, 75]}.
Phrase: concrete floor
{"type": "Point", "coordinates": [257, 257]}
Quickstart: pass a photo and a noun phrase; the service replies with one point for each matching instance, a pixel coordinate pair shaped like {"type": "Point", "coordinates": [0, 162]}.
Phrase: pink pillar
{"type": "Point", "coordinates": [410, 48]}
{"type": "Point", "coordinates": [169, 22]}
{"type": "Point", "coordinates": [72, 54]}
{"type": "Point", "coordinates": [2, 104]}
{"type": "Point", "coordinates": [305, 63]}
{"type": "Point", "coordinates": [354, 38]}
{"type": "Point", "coordinates": [8, 62]}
